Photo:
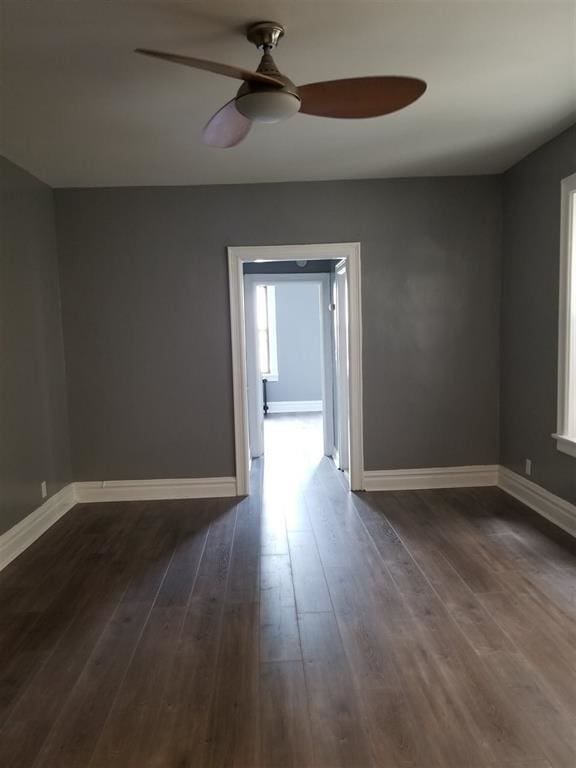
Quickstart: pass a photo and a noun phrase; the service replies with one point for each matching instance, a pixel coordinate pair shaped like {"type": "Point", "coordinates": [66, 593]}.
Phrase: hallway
{"type": "Point", "coordinates": [301, 626]}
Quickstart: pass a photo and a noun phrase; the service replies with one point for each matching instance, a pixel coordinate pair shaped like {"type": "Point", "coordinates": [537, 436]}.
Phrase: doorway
{"type": "Point", "coordinates": [289, 349]}
{"type": "Point", "coordinates": [254, 351]}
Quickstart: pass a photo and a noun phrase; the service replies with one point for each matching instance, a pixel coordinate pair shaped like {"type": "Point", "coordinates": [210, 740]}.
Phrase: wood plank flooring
{"type": "Point", "coordinates": [302, 626]}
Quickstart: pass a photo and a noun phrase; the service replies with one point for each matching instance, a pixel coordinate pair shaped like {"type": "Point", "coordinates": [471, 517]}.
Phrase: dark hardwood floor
{"type": "Point", "coordinates": [301, 626]}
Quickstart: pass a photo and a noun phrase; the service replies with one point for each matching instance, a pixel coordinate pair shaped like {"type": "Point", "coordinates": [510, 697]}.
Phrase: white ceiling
{"type": "Point", "coordinates": [80, 109]}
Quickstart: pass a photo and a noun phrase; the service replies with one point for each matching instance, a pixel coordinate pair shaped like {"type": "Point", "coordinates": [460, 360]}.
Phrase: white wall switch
{"type": "Point", "coordinates": [43, 489]}
{"type": "Point", "coordinates": [528, 468]}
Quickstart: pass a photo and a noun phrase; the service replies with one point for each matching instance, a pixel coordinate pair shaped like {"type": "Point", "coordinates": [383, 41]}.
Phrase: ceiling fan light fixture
{"type": "Point", "coordinates": [268, 106]}
{"type": "Point", "coordinates": [268, 96]}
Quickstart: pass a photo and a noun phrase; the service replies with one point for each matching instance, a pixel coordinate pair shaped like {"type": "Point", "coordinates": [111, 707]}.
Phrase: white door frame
{"type": "Point", "coordinates": [322, 280]}
{"type": "Point", "coordinates": [237, 256]}
{"type": "Point", "coordinates": [342, 357]}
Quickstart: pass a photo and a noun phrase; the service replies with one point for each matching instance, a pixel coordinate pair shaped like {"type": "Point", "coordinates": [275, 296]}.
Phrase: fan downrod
{"type": "Point", "coordinates": [265, 34]}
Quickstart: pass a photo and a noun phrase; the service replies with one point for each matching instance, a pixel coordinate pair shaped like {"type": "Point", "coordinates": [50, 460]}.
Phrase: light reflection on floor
{"type": "Point", "coordinates": [293, 441]}
{"type": "Point", "coordinates": [293, 453]}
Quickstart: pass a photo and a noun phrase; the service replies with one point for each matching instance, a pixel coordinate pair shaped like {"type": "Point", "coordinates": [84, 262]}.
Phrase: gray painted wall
{"type": "Point", "coordinates": [298, 333]}
{"type": "Point", "coordinates": [34, 444]}
{"type": "Point", "coordinates": [146, 317]}
{"type": "Point", "coordinates": [530, 315]}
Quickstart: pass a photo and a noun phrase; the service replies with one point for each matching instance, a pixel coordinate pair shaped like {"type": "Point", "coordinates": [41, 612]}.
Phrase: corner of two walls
{"type": "Point", "coordinates": [34, 426]}
{"type": "Point", "coordinates": [529, 316]}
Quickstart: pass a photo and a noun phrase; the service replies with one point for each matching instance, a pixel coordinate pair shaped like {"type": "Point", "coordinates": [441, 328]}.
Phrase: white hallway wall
{"type": "Point", "coordinates": [299, 343]}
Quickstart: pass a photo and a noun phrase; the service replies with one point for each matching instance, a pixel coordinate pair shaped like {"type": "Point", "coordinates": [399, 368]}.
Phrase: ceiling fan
{"type": "Point", "coordinates": [268, 96]}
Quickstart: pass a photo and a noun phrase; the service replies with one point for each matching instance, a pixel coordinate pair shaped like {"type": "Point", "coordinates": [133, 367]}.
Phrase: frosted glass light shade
{"type": "Point", "coordinates": [268, 106]}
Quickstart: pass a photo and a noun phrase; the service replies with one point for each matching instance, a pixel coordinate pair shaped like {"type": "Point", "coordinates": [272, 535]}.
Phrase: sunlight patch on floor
{"type": "Point", "coordinates": [293, 451]}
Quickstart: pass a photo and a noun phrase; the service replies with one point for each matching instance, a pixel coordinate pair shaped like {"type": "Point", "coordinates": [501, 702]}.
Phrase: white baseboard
{"type": "Point", "coordinates": [151, 490]}
{"type": "Point", "coordinates": [432, 477]}
{"type": "Point", "coordinates": [18, 538]}
{"type": "Point", "coordinates": [294, 406]}
{"type": "Point", "coordinates": [14, 541]}
{"type": "Point", "coordinates": [557, 510]}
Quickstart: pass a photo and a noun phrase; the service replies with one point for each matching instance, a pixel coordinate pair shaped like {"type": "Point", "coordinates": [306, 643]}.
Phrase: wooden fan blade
{"type": "Point", "coordinates": [359, 97]}
{"type": "Point", "coordinates": [227, 127]}
{"type": "Point", "coordinates": [213, 66]}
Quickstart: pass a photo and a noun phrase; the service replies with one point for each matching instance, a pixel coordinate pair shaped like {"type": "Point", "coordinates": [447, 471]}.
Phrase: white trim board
{"type": "Point", "coordinates": [18, 538]}
{"type": "Point", "coordinates": [431, 477]}
{"type": "Point", "coordinates": [161, 490]}
{"type": "Point", "coordinates": [565, 434]}
{"type": "Point", "coordinates": [557, 510]}
{"type": "Point", "coordinates": [294, 406]}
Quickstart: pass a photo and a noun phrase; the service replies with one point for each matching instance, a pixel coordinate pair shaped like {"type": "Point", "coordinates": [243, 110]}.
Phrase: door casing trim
{"type": "Point", "coordinates": [239, 255]}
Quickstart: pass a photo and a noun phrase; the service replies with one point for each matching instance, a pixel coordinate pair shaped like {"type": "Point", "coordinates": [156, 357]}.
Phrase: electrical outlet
{"type": "Point", "coordinates": [528, 468]}
{"type": "Point", "coordinates": [44, 489]}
